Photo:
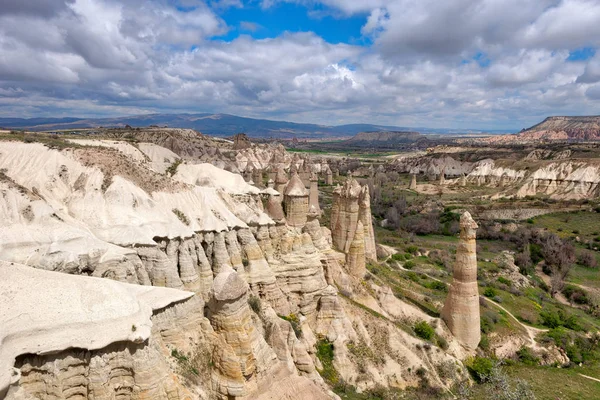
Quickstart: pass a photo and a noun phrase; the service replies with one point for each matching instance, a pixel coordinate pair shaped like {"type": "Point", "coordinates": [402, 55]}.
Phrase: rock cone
{"type": "Point", "coordinates": [461, 309]}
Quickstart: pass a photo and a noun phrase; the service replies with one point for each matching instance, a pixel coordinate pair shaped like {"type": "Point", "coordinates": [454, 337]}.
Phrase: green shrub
{"type": "Point", "coordinates": [182, 217]}
{"type": "Point", "coordinates": [484, 343]}
{"type": "Point", "coordinates": [409, 264]}
{"type": "Point", "coordinates": [443, 343]}
{"type": "Point", "coordinates": [413, 276]}
{"type": "Point", "coordinates": [437, 285]}
{"type": "Point", "coordinates": [325, 355]}
{"type": "Point", "coordinates": [526, 356]}
{"type": "Point", "coordinates": [553, 318]}
{"type": "Point", "coordinates": [504, 281]}
{"type": "Point", "coordinates": [295, 322]}
{"type": "Point", "coordinates": [254, 303]}
{"type": "Point", "coordinates": [489, 292]}
{"type": "Point", "coordinates": [576, 294]}
{"type": "Point", "coordinates": [536, 253]}
{"type": "Point", "coordinates": [424, 330]}
{"type": "Point", "coordinates": [172, 169]}
{"type": "Point", "coordinates": [480, 368]}
{"type": "Point", "coordinates": [398, 257]}
{"type": "Point", "coordinates": [412, 250]}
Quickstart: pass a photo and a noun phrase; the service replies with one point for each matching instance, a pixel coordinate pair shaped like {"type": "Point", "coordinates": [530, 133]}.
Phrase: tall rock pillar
{"type": "Point", "coordinates": [313, 197]}
{"type": "Point", "coordinates": [328, 176]}
{"type": "Point", "coordinates": [413, 182]}
{"type": "Point", "coordinates": [351, 223]}
{"type": "Point", "coordinates": [461, 309]}
{"type": "Point", "coordinates": [281, 180]}
{"type": "Point", "coordinates": [296, 202]}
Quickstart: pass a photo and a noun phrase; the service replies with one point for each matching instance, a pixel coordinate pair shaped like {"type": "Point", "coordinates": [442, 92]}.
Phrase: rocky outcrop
{"type": "Point", "coordinates": [461, 309]}
{"type": "Point", "coordinates": [413, 182]}
{"type": "Point", "coordinates": [295, 200]}
{"type": "Point", "coordinates": [47, 312]}
{"type": "Point", "coordinates": [351, 204]}
{"type": "Point", "coordinates": [241, 141]}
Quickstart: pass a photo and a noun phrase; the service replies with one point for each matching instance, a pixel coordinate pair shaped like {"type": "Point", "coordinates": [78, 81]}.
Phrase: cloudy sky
{"type": "Point", "coordinates": [494, 64]}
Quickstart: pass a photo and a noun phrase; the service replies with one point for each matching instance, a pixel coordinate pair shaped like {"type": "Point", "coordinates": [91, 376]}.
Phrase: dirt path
{"type": "Point", "coordinates": [548, 281]}
{"type": "Point", "coordinates": [590, 377]}
{"type": "Point", "coordinates": [532, 332]}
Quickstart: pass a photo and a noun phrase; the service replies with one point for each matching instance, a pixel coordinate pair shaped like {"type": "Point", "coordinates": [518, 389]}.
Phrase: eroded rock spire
{"type": "Point", "coordinates": [461, 309]}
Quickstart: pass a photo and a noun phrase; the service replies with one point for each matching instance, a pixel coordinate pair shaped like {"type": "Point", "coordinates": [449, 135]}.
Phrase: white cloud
{"type": "Point", "coordinates": [88, 57]}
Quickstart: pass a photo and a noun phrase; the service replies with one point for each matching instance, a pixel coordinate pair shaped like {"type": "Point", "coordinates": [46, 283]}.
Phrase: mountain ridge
{"type": "Point", "coordinates": [212, 124]}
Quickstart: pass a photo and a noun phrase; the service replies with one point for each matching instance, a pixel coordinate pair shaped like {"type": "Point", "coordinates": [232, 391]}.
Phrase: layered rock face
{"type": "Point", "coordinates": [351, 218]}
{"type": "Point", "coordinates": [461, 309]}
{"type": "Point", "coordinates": [296, 202]}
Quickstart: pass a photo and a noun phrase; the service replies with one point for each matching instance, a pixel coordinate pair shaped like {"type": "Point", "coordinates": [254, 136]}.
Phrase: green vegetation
{"type": "Point", "coordinates": [254, 303]}
{"type": "Point", "coordinates": [424, 330]}
{"type": "Point", "coordinates": [172, 169]}
{"type": "Point", "coordinates": [182, 217]}
{"type": "Point", "coordinates": [295, 322]}
{"type": "Point", "coordinates": [325, 355]}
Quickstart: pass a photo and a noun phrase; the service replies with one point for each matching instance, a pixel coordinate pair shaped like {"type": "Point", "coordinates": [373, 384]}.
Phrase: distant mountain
{"type": "Point", "coordinates": [581, 128]}
{"type": "Point", "coordinates": [211, 124]}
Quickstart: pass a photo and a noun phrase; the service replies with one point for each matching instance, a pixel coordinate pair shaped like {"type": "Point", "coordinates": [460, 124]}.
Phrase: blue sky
{"type": "Point", "coordinates": [271, 22]}
{"type": "Point", "coordinates": [487, 64]}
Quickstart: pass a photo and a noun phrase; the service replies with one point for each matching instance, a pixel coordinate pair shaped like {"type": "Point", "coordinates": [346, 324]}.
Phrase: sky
{"type": "Point", "coordinates": [482, 64]}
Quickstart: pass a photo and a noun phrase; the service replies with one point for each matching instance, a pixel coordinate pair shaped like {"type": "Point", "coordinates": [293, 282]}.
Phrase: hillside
{"type": "Point", "coordinates": [582, 127]}
{"type": "Point", "coordinates": [386, 137]}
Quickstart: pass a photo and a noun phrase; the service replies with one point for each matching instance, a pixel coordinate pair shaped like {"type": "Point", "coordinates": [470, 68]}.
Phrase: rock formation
{"type": "Point", "coordinates": [442, 177]}
{"type": "Point", "coordinates": [328, 176]}
{"type": "Point", "coordinates": [111, 212]}
{"type": "Point", "coordinates": [313, 197]}
{"type": "Point", "coordinates": [274, 204]}
{"type": "Point", "coordinates": [461, 309]}
{"type": "Point", "coordinates": [413, 182]}
{"type": "Point", "coordinates": [257, 178]}
{"type": "Point", "coordinates": [241, 141]}
{"type": "Point", "coordinates": [281, 180]}
{"type": "Point", "coordinates": [351, 219]}
{"type": "Point", "coordinates": [296, 202]}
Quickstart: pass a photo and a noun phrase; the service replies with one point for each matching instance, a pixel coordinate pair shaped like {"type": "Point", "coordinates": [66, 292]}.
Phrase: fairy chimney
{"type": "Point", "coordinates": [355, 257]}
{"type": "Point", "coordinates": [351, 218]}
{"type": "Point", "coordinates": [328, 176]}
{"type": "Point", "coordinates": [296, 202]}
{"type": "Point", "coordinates": [413, 182]}
{"type": "Point", "coordinates": [461, 309]}
{"type": "Point", "coordinates": [463, 180]}
{"type": "Point", "coordinates": [281, 180]}
{"type": "Point", "coordinates": [443, 176]}
{"type": "Point", "coordinates": [313, 198]}
{"type": "Point", "coordinates": [274, 208]}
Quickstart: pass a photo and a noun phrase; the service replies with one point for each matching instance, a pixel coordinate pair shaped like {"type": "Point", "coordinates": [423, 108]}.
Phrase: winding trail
{"type": "Point", "coordinates": [590, 377]}
{"type": "Point", "coordinates": [532, 332]}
